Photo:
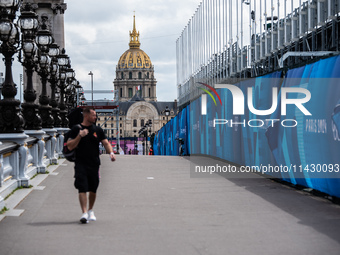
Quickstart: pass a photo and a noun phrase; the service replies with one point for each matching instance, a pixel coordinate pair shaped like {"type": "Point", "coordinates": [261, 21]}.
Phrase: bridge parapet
{"type": "Point", "coordinates": [24, 155]}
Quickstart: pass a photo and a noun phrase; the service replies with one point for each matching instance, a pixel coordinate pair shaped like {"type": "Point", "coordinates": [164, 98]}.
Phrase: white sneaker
{"type": "Point", "coordinates": [84, 218]}
{"type": "Point", "coordinates": [91, 216]}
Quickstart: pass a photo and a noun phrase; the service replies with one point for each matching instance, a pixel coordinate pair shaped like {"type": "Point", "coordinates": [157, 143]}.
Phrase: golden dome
{"type": "Point", "coordinates": [134, 57]}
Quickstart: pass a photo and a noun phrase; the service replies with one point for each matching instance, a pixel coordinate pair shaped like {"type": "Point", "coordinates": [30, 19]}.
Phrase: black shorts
{"type": "Point", "coordinates": [86, 178]}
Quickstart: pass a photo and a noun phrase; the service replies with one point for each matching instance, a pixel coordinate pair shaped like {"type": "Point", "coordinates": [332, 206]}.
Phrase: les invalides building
{"type": "Point", "coordinates": [136, 85]}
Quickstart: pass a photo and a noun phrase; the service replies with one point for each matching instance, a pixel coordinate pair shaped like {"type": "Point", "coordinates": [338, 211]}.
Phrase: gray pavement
{"type": "Point", "coordinates": [150, 205]}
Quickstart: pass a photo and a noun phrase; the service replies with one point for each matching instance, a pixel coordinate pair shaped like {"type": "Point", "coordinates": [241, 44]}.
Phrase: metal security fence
{"type": "Point", "coordinates": [232, 39]}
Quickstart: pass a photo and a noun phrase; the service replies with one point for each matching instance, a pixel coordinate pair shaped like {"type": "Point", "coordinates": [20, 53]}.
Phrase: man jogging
{"type": "Point", "coordinates": [85, 140]}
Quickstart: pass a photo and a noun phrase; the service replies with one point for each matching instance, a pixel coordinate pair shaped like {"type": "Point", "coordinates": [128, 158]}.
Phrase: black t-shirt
{"type": "Point", "coordinates": [87, 151]}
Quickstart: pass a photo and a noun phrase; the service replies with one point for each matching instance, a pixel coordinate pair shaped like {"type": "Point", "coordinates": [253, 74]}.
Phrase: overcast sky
{"type": "Point", "coordinates": [97, 34]}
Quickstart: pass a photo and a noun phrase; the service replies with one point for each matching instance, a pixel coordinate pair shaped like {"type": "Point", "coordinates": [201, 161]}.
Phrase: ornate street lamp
{"type": "Point", "coordinates": [62, 106]}
{"type": "Point", "coordinates": [28, 22]}
{"type": "Point", "coordinates": [147, 125]}
{"type": "Point", "coordinates": [9, 8]}
{"type": "Point", "coordinates": [70, 77]}
{"type": "Point", "coordinates": [167, 113]}
{"type": "Point", "coordinates": [54, 78]}
{"type": "Point", "coordinates": [70, 74]}
{"type": "Point", "coordinates": [69, 97]}
{"type": "Point", "coordinates": [77, 87]}
{"type": "Point", "coordinates": [146, 137]}
{"type": "Point", "coordinates": [63, 59]}
{"type": "Point", "coordinates": [91, 74]}
{"type": "Point", "coordinates": [11, 120]}
{"type": "Point", "coordinates": [44, 39]}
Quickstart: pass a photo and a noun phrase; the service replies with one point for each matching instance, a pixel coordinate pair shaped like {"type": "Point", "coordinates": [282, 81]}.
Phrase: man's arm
{"type": "Point", "coordinates": [108, 149]}
{"type": "Point", "coordinates": [73, 143]}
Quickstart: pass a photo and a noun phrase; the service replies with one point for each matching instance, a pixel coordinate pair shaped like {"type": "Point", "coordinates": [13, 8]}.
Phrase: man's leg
{"type": "Point", "coordinates": [83, 201]}
{"type": "Point", "coordinates": [93, 182]}
{"type": "Point", "coordinates": [92, 199]}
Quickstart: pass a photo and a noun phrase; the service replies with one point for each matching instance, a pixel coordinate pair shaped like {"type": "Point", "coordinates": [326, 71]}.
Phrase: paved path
{"type": "Point", "coordinates": [151, 206]}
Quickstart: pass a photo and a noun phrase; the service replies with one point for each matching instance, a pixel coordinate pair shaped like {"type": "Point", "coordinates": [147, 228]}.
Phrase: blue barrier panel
{"type": "Point", "coordinates": [163, 142]}
{"type": "Point", "coordinates": [256, 150]}
{"type": "Point", "coordinates": [183, 129]}
{"type": "Point", "coordinates": [159, 142]}
{"type": "Point", "coordinates": [188, 134]}
{"type": "Point", "coordinates": [228, 138]}
{"type": "Point", "coordinates": [336, 118]}
{"type": "Point", "coordinates": [175, 136]}
{"type": "Point", "coordinates": [156, 144]}
{"type": "Point", "coordinates": [168, 138]}
{"type": "Point", "coordinates": [195, 139]}
{"type": "Point", "coordinates": [313, 147]}
{"type": "Point", "coordinates": [310, 149]}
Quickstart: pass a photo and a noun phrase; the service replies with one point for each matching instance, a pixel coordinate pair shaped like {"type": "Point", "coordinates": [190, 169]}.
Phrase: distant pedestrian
{"type": "Point", "coordinates": [130, 152]}
{"type": "Point", "coordinates": [85, 140]}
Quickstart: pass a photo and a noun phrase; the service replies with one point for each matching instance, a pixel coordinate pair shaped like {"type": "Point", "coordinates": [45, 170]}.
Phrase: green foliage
{"type": "Point", "coordinates": [3, 210]}
{"type": "Point", "coordinates": [21, 187]}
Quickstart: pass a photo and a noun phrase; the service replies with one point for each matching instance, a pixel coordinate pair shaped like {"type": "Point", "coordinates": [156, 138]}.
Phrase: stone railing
{"type": "Point", "coordinates": [24, 155]}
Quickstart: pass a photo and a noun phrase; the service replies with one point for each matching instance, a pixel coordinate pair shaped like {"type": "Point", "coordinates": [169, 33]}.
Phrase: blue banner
{"type": "Point", "coordinates": [303, 137]}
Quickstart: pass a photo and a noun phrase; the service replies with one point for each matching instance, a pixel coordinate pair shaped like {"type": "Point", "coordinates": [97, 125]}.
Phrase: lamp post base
{"type": "Point", "coordinates": [11, 120]}
{"type": "Point", "coordinates": [32, 119]}
{"type": "Point", "coordinates": [46, 116]}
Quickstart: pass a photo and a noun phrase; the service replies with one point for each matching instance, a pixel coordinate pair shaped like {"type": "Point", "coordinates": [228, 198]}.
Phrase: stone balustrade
{"type": "Point", "coordinates": [24, 155]}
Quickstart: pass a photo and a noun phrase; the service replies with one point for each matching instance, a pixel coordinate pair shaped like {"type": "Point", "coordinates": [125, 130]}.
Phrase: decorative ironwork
{"type": "Point", "coordinates": [28, 22]}
{"type": "Point", "coordinates": [44, 39]}
{"type": "Point", "coordinates": [11, 120]}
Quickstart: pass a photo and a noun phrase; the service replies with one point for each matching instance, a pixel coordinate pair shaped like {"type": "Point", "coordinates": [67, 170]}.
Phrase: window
{"type": "Point", "coordinates": [149, 92]}
{"type": "Point", "coordinates": [140, 75]}
{"type": "Point", "coordinates": [135, 123]}
{"type": "Point", "coordinates": [121, 92]}
{"type": "Point", "coordinates": [120, 125]}
{"type": "Point", "coordinates": [122, 75]}
{"type": "Point", "coordinates": [147, 75]}
{"type": "Point", "coordinates": [130, 92]}
{"type": "Point", "coordinates": [105, 125]}
{"type": "Point", "coordinates": [130, 75]}
{"type": "Point", "coordinates": [112, 125]}
{"type": "Point", "coordinates": [141, 123]}
{"type": "Point", "coordinates": [98, 118]}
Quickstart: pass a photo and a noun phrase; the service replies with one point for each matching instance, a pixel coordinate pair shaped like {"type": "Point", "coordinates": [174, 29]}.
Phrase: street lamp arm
{"type": "Point", "coordinates": [90, 73]}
